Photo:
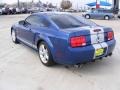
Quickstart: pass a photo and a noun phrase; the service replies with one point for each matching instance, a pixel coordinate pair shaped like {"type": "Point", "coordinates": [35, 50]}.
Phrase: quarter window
{"type": "Point", "coordinates": [37, 21]}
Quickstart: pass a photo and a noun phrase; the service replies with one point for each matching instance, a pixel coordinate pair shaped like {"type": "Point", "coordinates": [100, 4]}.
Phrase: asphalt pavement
{"type": "Point", "coordinates": [21, 69]}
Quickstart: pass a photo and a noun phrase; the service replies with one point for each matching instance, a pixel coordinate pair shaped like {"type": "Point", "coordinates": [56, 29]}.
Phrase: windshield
{"type": "Point", "coordinates": [66, 21]}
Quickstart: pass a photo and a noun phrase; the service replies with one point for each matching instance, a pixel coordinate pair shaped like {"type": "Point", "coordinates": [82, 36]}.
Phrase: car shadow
{"type": "Point", "coordinates": [99, 67]}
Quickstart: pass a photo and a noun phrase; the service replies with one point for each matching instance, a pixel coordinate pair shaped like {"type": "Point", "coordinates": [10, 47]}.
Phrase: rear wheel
{"type": "Point", "coordinates": [106, 17]}
{"type": "Point", "coordinates": [87, 16]}
{"type": "Point", "coordinates": [13, 35]}
{"type": "Point", "coordinates": [119, 16]}
{"type": "Point", "coordinates": [45, 54]}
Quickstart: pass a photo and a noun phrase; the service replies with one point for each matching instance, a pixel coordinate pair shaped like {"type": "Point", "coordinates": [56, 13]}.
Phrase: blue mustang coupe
{"type": "Point", "coordinates": [64, 38]}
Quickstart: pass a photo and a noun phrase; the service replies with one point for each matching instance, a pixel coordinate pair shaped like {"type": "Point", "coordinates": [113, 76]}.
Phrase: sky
{"type": "Point", "coordinates": [53, 1]}
{"type": "Point", "coordinates": [76, 3]}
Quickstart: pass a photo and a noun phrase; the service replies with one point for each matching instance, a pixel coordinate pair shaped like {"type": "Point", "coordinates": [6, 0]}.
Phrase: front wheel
{"type": "Point", "coordinates": [106, 17]}
{"type": "Point", "coordinates": [45, 54]}
{"type": "Point", "coordinates": [13, 35]}
{"type": "Point", "coordinates": [119, 16]}
{"type": "Point", "coordinates": [87, 16]}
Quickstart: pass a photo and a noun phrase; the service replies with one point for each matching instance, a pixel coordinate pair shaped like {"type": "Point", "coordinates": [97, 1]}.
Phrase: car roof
{"type": "Point", "coordinates": [50, 13]}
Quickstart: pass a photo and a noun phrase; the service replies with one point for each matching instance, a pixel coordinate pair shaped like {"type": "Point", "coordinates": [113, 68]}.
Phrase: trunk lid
{"type": "Point", "coordinates": [94, 34]}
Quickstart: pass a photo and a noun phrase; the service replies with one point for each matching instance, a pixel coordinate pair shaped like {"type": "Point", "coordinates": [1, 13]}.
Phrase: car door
{"type": "Point", "coordinates": [29, 33]}
{"type": "Point", "coordinates": [94, 14]}
{"type": "Point", "coordinates": [33, 24]}
{"type": "Point", "coordinates": [26, 33]}
{"type": "Point", "coordinates": [101, 14]}
{"type": "Point", "coordinates": [40, 25]}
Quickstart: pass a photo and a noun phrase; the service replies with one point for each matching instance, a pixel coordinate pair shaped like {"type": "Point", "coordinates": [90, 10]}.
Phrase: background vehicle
{"type": "Point", "coordinates": [0, 11]}
{"type": "Point", "coordinates": [119, 15]}
{"type": "Point", "coordinates": [64, 38]}
{"type": "Point", "coordinates": [99, 14]}
{"type": "Point", "coordinates": [36, 10]}
{"type": "Point", "coordinates": [5, 11]}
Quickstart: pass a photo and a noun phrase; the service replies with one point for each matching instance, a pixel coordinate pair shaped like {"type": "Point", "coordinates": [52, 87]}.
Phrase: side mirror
{"type": "Point", "coordinates": [22, 22]}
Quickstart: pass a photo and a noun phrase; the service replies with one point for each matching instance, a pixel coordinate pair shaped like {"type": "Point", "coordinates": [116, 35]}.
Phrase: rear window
{"type": "Point", "coordinates": [64, 21]}
{"type": "Point", "coordinates": [86, 21]}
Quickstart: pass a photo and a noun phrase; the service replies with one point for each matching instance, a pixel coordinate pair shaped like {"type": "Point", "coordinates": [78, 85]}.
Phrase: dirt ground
{"type": "Point", "coordinates": [21, 69]}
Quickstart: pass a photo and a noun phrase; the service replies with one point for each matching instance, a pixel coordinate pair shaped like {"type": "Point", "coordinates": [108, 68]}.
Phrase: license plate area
{"type": "Point", "coordinates": [99, 52]}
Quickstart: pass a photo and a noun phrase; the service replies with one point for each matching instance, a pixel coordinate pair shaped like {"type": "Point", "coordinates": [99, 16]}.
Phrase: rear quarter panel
{"type": "Point", "coordinates": [56, 40]}
{"type": "Point", "coordinates": [108, 14]}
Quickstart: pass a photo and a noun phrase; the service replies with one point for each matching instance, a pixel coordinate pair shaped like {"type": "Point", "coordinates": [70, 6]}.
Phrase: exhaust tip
{"type": "Point", "coordinates": [110, 54]}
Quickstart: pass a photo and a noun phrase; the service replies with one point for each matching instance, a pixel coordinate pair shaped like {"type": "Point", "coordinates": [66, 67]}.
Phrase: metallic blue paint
{"type": "Point", "coordinates": [58, 41]}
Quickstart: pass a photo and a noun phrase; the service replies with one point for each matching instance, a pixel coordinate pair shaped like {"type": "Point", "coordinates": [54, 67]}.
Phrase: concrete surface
{"type": "Point", "coordinates": [21, 69]}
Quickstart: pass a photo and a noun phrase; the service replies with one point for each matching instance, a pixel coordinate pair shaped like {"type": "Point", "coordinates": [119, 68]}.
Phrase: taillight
{"type": "Point", "coordinates": [110, 35]}
{"type": "Point", "coordinates": [78, 41]}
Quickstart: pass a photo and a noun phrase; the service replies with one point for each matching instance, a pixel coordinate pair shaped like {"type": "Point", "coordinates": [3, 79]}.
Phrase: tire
{"type": "Point", "coordinates": [45, 54]}
{"type": "Point", "coordinates": [119, 16]}
{"type": "Point", "coordinates": [13, 35]}
{"type": "Point", "coordinates": [106, 17]}
{"type": "Point", "coordinates": [87, 16]}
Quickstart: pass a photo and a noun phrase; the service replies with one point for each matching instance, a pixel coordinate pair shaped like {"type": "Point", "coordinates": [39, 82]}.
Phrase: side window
{"type": "Point", "coordinates": [101, 11]}
{"type": "Point", "coordinates": [37, 21]}
{"type": "Point", "coordinates": [30, 19]}
{"type": "Point", "coordinates": [95, 11]}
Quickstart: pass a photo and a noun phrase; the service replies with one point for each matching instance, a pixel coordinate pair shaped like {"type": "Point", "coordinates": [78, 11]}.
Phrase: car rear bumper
{"type": "Point", "coordinates": [84, 54]}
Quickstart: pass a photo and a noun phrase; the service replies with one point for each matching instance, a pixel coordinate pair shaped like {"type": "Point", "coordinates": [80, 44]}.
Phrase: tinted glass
{"type": "Point", "coordinates": [86, 21]}
{"type": "Point", "coordinates": [95, 11]}
{"type": "Point", "coordinates": [100, 11]}
{"type": "Point", "coordinates": [37, 21]}
{"type": "Point", "coordinates": [66, 21]}
{"type": "Point", "coordinates": [30, 19]}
